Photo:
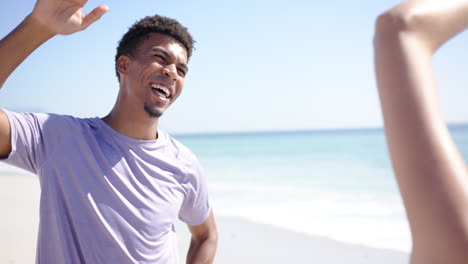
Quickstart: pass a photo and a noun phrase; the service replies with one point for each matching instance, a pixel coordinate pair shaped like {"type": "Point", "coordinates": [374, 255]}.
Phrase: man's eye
{"type": "Point", "coordinates": [159, 56]}
{"type": "Point", "coordinates": [181, 72]}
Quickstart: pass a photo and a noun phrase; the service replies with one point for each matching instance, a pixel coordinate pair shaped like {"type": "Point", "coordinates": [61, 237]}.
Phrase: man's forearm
{"type": "Point", "coordinates": [202, 252]}
{"type": "Point", "coordinates": [19, 44]}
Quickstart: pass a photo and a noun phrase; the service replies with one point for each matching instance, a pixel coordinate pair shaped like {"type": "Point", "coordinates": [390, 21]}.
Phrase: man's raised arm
{"type": "Point", "coordinates": [431, 173]}
{"type": "Point", "coordinates": [48, 18]}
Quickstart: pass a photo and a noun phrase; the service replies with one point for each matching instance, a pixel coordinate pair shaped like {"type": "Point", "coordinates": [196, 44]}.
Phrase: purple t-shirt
{"type": "Point", "coordinates": [106, 197]}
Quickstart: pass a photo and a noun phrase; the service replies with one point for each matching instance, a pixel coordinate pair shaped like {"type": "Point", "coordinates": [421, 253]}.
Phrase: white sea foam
{"type": "Point", "coordinates": [374, 221]}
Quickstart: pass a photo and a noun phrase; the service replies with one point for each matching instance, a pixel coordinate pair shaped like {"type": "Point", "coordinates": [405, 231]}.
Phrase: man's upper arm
{"type": "Point", "coordinates": [204, 230]}
{"type": "Point", "coordinates": [195, 207]}
{"type": "Point", "coordinates": [204, 241]}
{"type": "Point", "coordinates": [5, 135]}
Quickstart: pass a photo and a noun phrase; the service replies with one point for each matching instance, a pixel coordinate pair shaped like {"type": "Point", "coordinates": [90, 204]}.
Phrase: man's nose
{"type": "Point", "coordinates": [170, 71]}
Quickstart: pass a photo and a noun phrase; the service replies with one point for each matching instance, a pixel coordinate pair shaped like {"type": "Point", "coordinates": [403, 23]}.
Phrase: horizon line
{"type": "Point", "coordinates": [451, 125]}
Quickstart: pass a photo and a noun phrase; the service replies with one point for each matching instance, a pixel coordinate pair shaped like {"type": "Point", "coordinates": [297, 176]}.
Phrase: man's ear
{"type": "Point", "coordinates": [122, 64]}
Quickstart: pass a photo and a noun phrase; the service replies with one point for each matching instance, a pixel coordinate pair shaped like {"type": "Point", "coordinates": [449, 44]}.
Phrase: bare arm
{"type": "Point", "coordinates": [204, 242]}
{"type": "Point", "coordinates": [49, 18]}
{"type": "Point", "coordinates": [431, 173]}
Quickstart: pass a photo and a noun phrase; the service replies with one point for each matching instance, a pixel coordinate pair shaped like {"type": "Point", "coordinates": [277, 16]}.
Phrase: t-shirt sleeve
{"type": "Point", "coordinates": [28, 149]}
{"type": "Point", "coordinates": [195, 208]}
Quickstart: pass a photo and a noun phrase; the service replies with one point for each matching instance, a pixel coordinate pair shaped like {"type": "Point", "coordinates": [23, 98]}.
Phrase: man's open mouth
{"type": "Point", "coordinates": [161, 90]}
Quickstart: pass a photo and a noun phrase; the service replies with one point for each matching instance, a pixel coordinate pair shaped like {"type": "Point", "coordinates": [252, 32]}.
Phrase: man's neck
{"type": "Point", "coordinates": [134, 125]}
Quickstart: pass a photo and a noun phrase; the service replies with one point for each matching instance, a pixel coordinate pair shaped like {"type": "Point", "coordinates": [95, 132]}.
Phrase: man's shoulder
{"type": "Point", "coordinates": [49, 120]}
{"type": "Point", "coordinates": [175, 143]}
{"type": "Point", "coordinates": [180, 150]}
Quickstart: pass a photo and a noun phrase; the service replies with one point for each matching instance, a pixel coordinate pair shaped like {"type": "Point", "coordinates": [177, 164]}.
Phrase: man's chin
{"type": "Point", "coordinates": [153, 111]}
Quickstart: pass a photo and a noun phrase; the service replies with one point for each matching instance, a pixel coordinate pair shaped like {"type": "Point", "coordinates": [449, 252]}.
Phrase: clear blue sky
{"type": "Point", "coordinates": [258, 65]}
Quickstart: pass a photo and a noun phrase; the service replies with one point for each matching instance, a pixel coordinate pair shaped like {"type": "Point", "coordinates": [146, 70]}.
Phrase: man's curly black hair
{"type": "Point", "coordinates": [140, 31]}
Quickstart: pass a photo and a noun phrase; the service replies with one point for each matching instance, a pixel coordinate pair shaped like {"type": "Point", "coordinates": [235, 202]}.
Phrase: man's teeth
{"type": "Point", "coordinates": [162, 89]}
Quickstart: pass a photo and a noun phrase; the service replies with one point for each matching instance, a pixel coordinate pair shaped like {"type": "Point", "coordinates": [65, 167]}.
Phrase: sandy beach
{"type": "Point", "coordinates": [241, 241]}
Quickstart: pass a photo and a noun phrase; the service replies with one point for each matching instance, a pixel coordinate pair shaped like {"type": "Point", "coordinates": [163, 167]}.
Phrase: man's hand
{"type": "Point", "coordinates": [65, 16]}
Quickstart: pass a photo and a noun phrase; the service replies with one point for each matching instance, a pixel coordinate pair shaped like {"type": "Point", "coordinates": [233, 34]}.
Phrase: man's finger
{"type": "Point", "coordinates": [94, 15]}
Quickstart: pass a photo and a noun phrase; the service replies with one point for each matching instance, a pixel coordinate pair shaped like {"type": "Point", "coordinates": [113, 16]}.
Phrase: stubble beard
{"type": "Point", "coordinates": [152, 111]}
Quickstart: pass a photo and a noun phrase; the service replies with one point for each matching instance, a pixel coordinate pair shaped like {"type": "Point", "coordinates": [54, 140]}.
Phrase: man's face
{"type": "Point", "coordinates": [154, 75]}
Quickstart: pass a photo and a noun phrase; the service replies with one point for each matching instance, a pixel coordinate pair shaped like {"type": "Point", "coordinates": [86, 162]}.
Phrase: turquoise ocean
{"type": "Point", "coordinates": [333, 183]}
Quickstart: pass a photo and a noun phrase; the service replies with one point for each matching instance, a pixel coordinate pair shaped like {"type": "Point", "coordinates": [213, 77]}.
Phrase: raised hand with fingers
{"type": "Point", "coordinates": [65, 16]}
{"type": "Point", "coordinates": [48, 18]}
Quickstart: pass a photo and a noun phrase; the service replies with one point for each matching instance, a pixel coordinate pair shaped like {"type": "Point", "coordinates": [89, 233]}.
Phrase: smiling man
{"type": "Point", "coordinates": [111, 188]}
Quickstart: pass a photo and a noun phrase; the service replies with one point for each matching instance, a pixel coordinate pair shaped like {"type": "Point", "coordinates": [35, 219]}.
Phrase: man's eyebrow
{"type": "Point", "coordinates": [163, 51]}
{"type": "Point", "coordinates": [167, 54]}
